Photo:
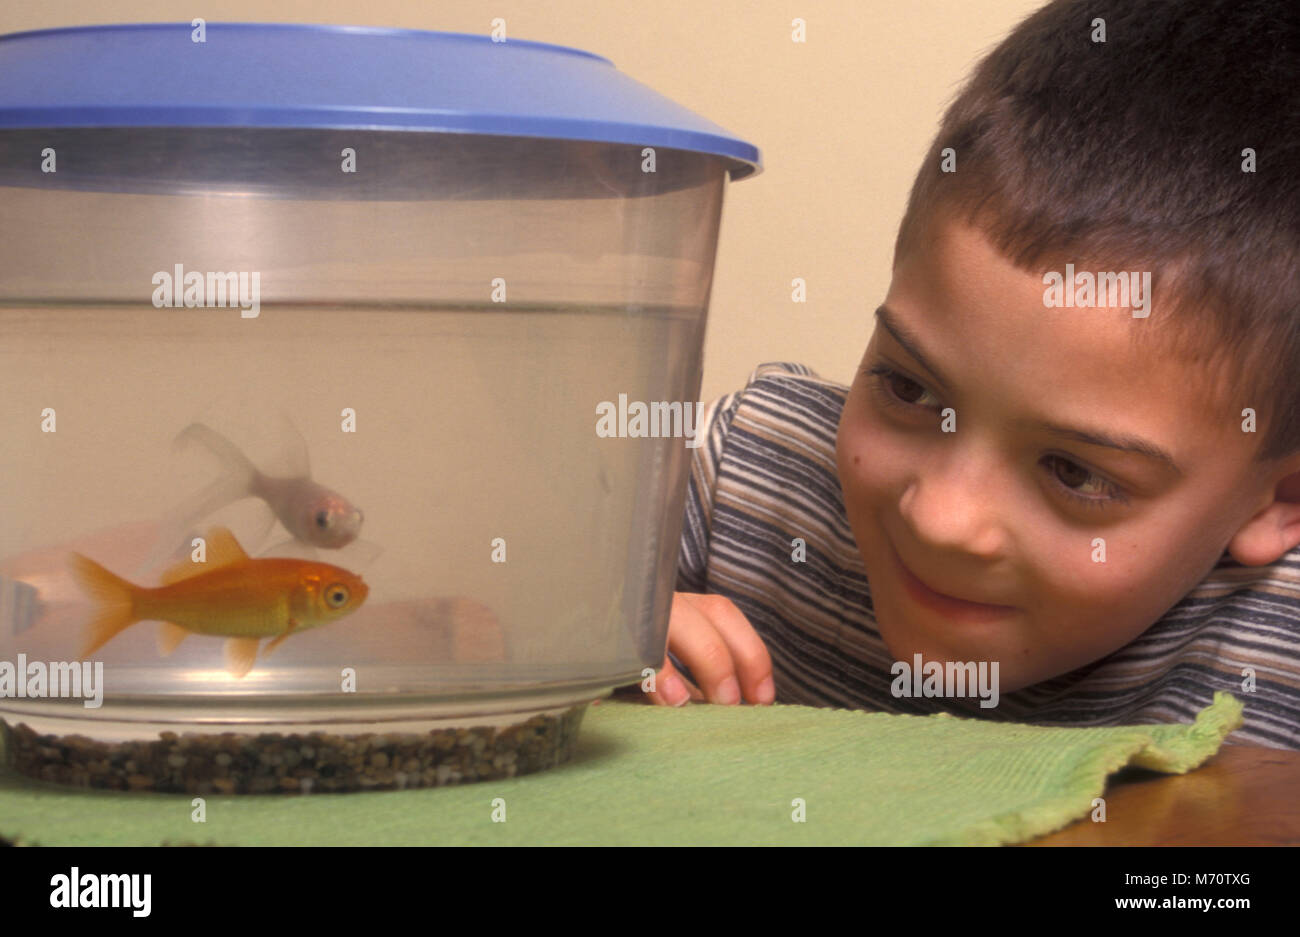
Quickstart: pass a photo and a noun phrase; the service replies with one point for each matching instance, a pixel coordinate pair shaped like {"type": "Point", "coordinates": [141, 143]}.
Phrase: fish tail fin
{"type": "Point", "coordinates": [226, 452]}
{"type": "Point", "coordinates": [238, 480]}
{"type": "Point", "coordinates": [115, 598]}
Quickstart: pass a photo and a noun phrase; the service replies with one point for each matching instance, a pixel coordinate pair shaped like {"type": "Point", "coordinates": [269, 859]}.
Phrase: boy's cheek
{"type": "Point", "coordinates": [1101, 606]}
{"type": "Point", "coordinates": [1116, 572]}
{"type": "Point", "coordinates": [867, 457]}
{"type": "Point", "coordinates": [855, 468]}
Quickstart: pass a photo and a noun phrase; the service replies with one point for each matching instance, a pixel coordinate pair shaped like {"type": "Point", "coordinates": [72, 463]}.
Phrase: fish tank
{"type": "Point", "coordinates": [348, 384]}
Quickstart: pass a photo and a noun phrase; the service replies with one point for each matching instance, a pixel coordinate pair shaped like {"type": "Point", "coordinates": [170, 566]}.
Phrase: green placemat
{"type": "Point", "coordinates": [647, 775]}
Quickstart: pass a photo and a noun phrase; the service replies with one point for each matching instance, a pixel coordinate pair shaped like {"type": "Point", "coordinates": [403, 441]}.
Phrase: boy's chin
{"type": "Point", "coordinates": [1011, 675]}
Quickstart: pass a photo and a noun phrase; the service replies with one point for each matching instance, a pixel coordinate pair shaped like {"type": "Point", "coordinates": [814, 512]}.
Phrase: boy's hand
{"type": "Point", "coordinates": [716, 642]}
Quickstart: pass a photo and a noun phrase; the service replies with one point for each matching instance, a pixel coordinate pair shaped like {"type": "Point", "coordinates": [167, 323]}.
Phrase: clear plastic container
{"type": "Point", "coordinates": [335, 370]}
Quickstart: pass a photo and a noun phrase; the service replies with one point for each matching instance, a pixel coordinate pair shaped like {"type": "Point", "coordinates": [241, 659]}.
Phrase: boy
{"type": "Point", "coordinates": [1072, 454]}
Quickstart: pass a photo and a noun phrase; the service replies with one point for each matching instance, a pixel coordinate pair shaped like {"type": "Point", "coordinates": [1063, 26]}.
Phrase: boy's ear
{"type": "Point", "coordinates": [1275, 530]}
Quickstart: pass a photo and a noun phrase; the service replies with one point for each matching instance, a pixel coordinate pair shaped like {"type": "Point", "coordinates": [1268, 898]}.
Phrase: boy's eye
{"type": "Point", "coordinates": [906, 389]}
{"type": "Point", "coordinates": [1070, 474]}
{"type": "Point", "coordinates": [1082, 485]}
{"type": "Point", "coordinates": [899, 388]}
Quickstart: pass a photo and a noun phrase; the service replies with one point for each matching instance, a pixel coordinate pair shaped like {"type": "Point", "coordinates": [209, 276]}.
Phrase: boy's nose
{"type": "Point", "coordinates": [956, 508]}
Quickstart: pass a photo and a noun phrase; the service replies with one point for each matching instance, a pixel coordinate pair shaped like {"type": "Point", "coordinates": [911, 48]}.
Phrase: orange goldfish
{"type": "Point", "coordinates": [231, 595]}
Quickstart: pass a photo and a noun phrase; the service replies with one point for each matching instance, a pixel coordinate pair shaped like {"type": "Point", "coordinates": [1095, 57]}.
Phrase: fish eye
{"type": "Point", "coordinates": [322, 519]}
{"type": "Point", "coordinates": [337, 596]}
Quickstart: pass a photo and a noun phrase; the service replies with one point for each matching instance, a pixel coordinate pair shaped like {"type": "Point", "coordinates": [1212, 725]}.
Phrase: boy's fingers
{"type": "Point", "coordinates": [672, 689]}
{"type": "Point", "coordinates": [695, 640]}
{"type": "Point", "coordinates": [751, 663]}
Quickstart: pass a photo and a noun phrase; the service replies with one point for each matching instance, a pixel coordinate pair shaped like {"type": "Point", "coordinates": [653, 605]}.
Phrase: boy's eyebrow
{"type": "Point", "coordinates": [1092, 437]}
{"type": "Point", "coordinates": [1123, 443]}
{"type": "Point", "coordinates": [904, 337]}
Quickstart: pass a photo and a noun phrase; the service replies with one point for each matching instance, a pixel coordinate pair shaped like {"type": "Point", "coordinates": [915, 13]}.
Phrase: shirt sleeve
{"type": "Point", "coordinates": [715, 426]}
{"type": "Point", "coordinates": [692, 559]}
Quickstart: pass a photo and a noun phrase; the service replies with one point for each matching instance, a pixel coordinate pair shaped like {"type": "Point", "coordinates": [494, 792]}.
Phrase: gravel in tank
{"type": "Point", "coordinates": [318, 762]}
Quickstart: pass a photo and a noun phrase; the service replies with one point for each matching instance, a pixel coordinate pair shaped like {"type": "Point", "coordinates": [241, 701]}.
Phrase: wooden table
{"type": "Point", "coordinates": [1242, 796]}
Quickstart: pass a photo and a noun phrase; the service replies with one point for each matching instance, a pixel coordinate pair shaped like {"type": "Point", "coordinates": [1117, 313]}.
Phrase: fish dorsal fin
{"type": "Point", "coordinates": [222, 550]}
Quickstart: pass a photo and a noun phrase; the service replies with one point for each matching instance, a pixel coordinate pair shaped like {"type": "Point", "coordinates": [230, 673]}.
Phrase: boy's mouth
{"type": "Point", "coordinates": [947, 605]}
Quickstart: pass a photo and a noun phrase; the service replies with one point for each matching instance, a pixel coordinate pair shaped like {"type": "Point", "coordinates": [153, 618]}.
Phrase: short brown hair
{"type": "Point", "coordinates": [1130, 151]}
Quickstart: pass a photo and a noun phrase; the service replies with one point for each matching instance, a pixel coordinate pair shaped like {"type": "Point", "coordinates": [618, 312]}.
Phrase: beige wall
{"type": "Point", "coordinates": [841, 121]}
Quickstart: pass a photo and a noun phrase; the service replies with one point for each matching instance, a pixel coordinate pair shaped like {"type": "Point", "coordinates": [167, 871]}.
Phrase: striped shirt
{"type": "Point", "coordinates": [765, 474]}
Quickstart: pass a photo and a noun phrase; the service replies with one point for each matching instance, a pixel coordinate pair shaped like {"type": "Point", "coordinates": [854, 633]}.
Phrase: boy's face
{"type": "Point", "coordinates": [1005, 510]}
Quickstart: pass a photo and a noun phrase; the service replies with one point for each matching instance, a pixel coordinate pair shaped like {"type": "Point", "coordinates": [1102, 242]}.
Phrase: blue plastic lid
{"type": "Point", "coordinates": [275, 75]}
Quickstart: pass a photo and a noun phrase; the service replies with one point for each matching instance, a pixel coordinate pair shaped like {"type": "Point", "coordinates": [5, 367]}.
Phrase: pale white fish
{"type": "Point", "coordinates": [315, 515]}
